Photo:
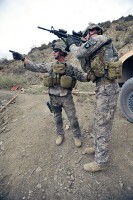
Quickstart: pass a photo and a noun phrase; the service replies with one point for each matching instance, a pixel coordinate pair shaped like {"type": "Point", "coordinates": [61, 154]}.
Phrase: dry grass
{"type": "Point", "coordinates": [8, 81]}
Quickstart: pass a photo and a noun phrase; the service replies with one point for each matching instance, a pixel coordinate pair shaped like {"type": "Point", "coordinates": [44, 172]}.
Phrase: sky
{"type": "Point", "coordinates": [19, 20]}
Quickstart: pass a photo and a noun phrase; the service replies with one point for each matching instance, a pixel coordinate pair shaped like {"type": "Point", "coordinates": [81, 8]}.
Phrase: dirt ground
{"type": "Point", "coordinates": [33, 167]}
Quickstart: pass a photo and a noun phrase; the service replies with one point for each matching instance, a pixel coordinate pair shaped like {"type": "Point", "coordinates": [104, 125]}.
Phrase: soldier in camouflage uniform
{"type": "Point", "coordinates": [96, 54]}
{"type": "Point", "coordinates": [60, 77]}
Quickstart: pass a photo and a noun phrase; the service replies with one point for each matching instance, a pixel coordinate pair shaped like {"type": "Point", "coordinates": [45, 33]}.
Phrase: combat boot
{"type": "Point", "coordinates": [77, 142]}
{"type": "Point", "coordinates": [59, 140]}
{"type": "Point", "coordinates": [89, 150]}
{"type": "Point", "coordinates": [93, 167]}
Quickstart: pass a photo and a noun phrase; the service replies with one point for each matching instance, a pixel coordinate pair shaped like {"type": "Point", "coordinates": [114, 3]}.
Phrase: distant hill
{"type": "Point", "coordinates": [120, 30]}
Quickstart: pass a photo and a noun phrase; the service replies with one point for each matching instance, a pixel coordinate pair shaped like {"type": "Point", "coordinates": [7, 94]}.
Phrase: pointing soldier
{"type": "Point", "coordinates": [60, 77]}
{"type": "Point", "coordinates": [99, 59]}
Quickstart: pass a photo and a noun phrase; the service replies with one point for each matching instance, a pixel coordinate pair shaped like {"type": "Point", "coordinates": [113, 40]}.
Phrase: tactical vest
{"type": "Point", "coordinates": [57, 77]}
{"type": "Point", "coordinates": [99, 68]}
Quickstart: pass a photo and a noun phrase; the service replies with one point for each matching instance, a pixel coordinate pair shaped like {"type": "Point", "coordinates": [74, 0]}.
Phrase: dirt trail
{"type": "Point", "coordinates": [33, 167]}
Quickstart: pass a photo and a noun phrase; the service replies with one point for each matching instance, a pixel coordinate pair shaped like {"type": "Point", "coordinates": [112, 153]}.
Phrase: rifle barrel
{"type": "Point", "coordinates": [11, 51]}
{"type": "Point", "coordinates": [44, 28]}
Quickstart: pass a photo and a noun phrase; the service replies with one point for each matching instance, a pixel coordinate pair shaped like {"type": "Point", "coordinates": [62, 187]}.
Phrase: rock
{"type": "Point", "coordinates": [38, 169]}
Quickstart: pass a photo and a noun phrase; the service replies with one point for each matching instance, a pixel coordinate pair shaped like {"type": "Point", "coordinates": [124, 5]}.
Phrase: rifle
{"type": "Point", "coordinates": [61, 33]}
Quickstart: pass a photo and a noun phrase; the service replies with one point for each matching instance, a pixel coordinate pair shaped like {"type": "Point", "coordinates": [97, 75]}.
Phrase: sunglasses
{"type": "Point", "coordinates": [56, 50]}
{"type": "Point", "coordinates": [85, 34]}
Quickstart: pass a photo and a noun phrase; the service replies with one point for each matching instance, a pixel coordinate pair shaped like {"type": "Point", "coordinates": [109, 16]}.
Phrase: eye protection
{"type": "Point", "coordinates": [56, 50]}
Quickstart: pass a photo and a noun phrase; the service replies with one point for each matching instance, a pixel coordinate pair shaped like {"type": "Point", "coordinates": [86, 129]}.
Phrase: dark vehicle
{"type": "Point", "coordinates": [126, 84]}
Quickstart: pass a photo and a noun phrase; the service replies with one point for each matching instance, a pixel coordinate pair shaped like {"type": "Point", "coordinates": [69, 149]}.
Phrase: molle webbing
{"type": "Point", "coordinates": [58, 77]}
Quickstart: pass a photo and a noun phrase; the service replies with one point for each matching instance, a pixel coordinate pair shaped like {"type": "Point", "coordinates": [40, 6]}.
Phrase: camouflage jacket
{"type": "Point", "coordinates": [47, 67]}
{"type": "Point", "coordinates": [87, 51]}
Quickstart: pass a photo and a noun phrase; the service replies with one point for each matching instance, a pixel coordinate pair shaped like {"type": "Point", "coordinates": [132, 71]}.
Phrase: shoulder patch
{"type": "Point", "coordinates": [90, 42]}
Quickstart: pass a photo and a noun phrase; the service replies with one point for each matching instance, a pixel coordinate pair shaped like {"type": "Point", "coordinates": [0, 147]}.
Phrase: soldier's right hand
{"type": "Point", "coordinates": [17, 56]}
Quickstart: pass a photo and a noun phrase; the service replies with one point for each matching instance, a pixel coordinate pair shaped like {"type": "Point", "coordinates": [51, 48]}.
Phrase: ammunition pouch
{"type": "Point", "coordinates": [64, 81]}
{"type": "Point", "coordinates": [51, 80]}
{"type": "Point", "coordinates": [58, 77]}
{"type": "Point", "coordinates": [59, 68]}
{"type": "Point", "coordinates": [111, 70]}
{"type": "Point", "coordinates": [98, 64]}
{"type": "Point", "coordinates": [114, 70]}
{"type": "Point", "coordinates": [48, 80]}
{"type": "Point", "coordinates": [67, 82]}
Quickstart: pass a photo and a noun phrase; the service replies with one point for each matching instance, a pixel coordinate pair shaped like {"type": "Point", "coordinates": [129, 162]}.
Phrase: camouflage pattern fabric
{"type": "Point", "coordinates": [59, 45]}
{"type": "Point", "coordinates": [71, 71]}
{"type": "Point", "coordinates": [88, 48]}
{"type": "Point", "coordinates": [61, 97]}
{"type": "Point", "coordinates": [106, 94]}
{"type": "Point", "coordinates": [98, 65]}
{"type": "Point", "coordinates": [67, 104]}
{"type": "Point", "coordinates": [106, 100]}
{"type": "Point", "coordinates": [86, 52]}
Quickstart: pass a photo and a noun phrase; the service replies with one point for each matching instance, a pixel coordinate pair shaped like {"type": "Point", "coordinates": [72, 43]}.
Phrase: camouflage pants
{"type": "Point", "coordinates": [67, 103]}
{"type": "Point", "coordinates": [106, 102]}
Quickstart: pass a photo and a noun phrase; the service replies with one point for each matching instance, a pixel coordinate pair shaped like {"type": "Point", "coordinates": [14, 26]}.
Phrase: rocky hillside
{"type": "Point", "coordinates": [121, 31]}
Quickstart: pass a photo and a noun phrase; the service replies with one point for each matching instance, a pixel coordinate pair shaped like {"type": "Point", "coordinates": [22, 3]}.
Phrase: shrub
{"type": "Point", "coordinates": [43, 46]}
{"type": "Point", "coordinates": [128, 39]}
{"type": "Point", "coordinates": [11, 80]}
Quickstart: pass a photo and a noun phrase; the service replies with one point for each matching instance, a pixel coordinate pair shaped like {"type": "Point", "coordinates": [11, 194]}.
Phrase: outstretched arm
{"type": "Point", "coordinates": [31, 66]}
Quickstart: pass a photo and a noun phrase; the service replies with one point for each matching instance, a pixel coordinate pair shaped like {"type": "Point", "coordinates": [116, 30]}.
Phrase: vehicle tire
{"type": "Point", "coordinates": [126, 99]}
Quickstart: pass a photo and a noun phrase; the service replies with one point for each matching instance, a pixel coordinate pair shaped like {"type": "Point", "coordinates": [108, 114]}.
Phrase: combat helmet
{"type": "Point", "coordinates": [59, 45]}
{"type": "Point", "coordinates": [93, 26]}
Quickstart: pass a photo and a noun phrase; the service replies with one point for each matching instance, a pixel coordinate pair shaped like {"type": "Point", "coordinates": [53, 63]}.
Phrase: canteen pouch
{"type": "Point", "coordinates": [48, 80]}
{"type": "Point", "coordinates": [59, 68]}
{"type": "Point", "coordinates": [66, 81]}
{"type": "Point", "coordinates": [97, 67]}
{"type": "Point", "coordinates": [115, 70]}
{"type": "Point", "coordinates": [98, 64]}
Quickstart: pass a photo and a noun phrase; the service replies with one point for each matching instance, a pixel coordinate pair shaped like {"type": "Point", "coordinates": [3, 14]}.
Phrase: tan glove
{"type": "Point", "coordinates": [91, 76]}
